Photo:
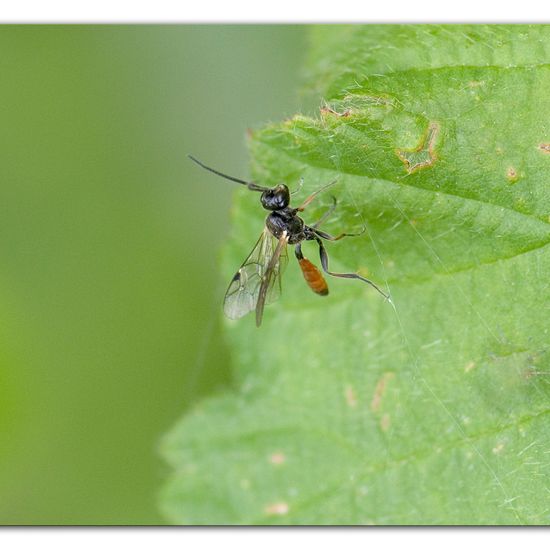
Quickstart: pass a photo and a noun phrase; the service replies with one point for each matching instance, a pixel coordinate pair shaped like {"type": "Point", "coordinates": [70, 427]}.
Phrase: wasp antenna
{"type": "Point", "coordinates": [217, 172]}
{"type": "Point", "coordinates": [250, 185]}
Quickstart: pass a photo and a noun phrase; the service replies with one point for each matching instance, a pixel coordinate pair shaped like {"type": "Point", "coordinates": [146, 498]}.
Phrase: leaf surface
{"type": "Point", "coordinates": [432, 409]}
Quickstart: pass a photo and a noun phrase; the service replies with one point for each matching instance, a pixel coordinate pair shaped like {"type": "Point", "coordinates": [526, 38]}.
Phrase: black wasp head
{"type": "Point", "coordinates": [276, 198]}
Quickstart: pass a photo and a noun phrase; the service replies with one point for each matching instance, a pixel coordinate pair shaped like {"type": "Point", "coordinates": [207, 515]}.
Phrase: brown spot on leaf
{"type": "Point", "coordinates": [326, 110]}
{"type": "Point", "coordinates": [469, 366]}
{"type": "Point", "coordinates": [276, 509]}
{"type": "Point", "coordinates": [545, 148]}
{"type": "Point", "coordinates": [277, 458]}
{"type": "Point", "coordinates": [351, 398]}
{"type": "Point", "coordinates": [380, 390]}
{"type": "Point", "coordinates": [422, 156]}
{"type": "Point", "coordinates": [512, 174]}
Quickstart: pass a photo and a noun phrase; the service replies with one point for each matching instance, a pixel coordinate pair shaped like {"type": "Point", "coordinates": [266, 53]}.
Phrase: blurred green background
{"type": "Point", "coordinates": [110, 292]}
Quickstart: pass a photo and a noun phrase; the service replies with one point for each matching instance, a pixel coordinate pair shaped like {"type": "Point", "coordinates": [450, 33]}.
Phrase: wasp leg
{"type": "Point", "coordinates": [326, 215]}
{"type": "Point", "coordinates": [302, 207]}
{"type": "Point", "coordinates": [328, 237]}
{"type": "Point", "coordinates": [324, 262]}
{"type": "Point", "coordinates": [299, 187]}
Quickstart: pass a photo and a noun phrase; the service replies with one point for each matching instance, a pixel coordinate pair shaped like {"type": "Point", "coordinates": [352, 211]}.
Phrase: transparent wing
{"type": "Point", "coordinates": [260, 271]}
{"type": "Point", "coordinates": [275, 278]}
{"type": "Point", "coordinates": [271, 282]}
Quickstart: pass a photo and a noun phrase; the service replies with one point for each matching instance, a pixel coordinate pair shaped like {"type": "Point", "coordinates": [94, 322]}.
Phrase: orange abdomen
{"type": "Point", "coordinates": [313, 277]}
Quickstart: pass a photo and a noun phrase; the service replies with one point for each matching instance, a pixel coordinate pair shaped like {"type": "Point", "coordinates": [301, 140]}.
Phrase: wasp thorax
{"type": "Point", "coordinates": [276, 198]}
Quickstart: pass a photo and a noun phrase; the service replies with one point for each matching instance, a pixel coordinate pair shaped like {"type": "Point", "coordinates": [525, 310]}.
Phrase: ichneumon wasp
{"type": "Point", "coordinates": [258, 280]}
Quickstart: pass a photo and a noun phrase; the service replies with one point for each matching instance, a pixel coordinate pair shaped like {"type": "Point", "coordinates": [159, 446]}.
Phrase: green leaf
{"type": "Point", "coordinates": [433, 409]}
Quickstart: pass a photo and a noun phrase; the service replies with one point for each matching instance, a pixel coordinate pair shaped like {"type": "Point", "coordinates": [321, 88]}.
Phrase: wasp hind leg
{"type": "Point", "coordinates": [324, 263]}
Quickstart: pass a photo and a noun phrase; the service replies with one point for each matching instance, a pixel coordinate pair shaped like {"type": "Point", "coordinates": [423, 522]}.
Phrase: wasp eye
{"type": "Point", "coordinates": [276, 198]}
